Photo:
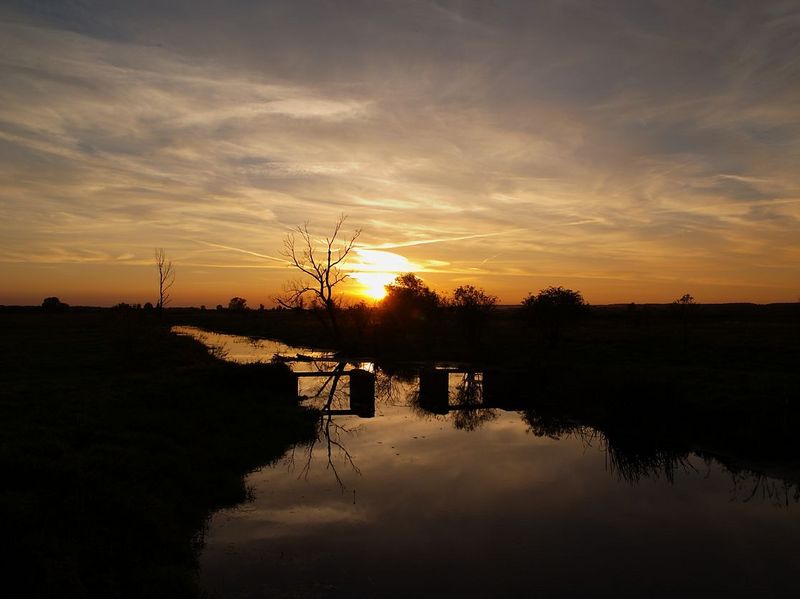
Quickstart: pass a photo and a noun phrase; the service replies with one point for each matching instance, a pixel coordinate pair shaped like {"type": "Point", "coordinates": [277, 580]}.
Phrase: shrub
{"type": "Point", "coordinates": [551, 308]}
{"type": "Point", "coordinates": [53, 304]}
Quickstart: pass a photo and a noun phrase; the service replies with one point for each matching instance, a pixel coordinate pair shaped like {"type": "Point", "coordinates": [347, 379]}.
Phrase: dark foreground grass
{"type": "Point", "coordinates": [117, 440]}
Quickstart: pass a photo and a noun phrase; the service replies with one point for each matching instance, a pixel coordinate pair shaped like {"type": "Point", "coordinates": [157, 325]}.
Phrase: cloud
{"type": "Point", "coordinates": [563, 139]}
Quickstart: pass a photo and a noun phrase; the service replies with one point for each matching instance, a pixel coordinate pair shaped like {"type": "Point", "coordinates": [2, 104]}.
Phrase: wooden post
{"type": "Point", "coordinates": [289, 385]}
{"type": "Point", "coordinates": [434, 390]}
{"type": "Point", "coordinates": [362, 393]}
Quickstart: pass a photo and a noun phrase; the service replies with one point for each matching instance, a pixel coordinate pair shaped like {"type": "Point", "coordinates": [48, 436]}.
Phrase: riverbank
{"type": "Point", "coordinates": [738, 359]}
{"type": "Point", "coordinates": [118, 441]}
{"type": "Point", "coordinates": [717, 380]}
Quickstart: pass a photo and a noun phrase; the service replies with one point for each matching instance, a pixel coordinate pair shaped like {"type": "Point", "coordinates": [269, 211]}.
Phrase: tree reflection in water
{"type": "Point", "coordinates": [330, 433]}
{"type": "Point", "coordinates": [630, 456]}
{"type": "Point", "coordinates": [469, 412]}
{"type": "Point", "coordinates": [633, 458]}
{"type": "Point", "coordinates": [395, 387]}
{"type": "Point", "coordinates": [748, 485]}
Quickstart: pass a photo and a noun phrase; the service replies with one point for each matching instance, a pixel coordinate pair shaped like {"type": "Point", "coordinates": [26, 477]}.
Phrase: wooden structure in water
{"type": "Point", "coordinates": [362, 389]}
{"type": "Point", "coordinates": [492, 389]}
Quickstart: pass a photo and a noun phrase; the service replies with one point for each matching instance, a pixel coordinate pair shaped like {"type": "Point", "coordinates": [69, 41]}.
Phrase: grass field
{"type": "Point", "coordinates": [118, 439]}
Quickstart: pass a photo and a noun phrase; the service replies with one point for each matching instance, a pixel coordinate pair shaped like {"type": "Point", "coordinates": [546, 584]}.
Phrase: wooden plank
{"type": "Point", "coordinates": [321, 373]}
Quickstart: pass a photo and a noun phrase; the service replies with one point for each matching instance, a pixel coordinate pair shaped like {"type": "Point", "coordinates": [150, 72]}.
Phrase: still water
{"type": "Point", "coordinates": [481, 502]}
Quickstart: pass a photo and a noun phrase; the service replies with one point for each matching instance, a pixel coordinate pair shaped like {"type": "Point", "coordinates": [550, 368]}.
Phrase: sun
{"type": "Point", "coordinates": [374, 269]}
{"type": "Point", "coordinates": [373, 284]}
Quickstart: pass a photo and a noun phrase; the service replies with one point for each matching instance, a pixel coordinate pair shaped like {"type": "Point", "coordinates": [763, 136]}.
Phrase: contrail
{"type": "Point", "coordinates": [390, 246]}
{"type": "Point", "coordinates": [490, 258]}
{"type": "Point", "coordinates": [233, 249]}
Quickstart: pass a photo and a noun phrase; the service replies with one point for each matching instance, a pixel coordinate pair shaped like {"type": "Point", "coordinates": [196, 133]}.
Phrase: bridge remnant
{"type": "Point", "coordinates": [362, 392]}
{"type": "Point", "coordinates": [434, 390]}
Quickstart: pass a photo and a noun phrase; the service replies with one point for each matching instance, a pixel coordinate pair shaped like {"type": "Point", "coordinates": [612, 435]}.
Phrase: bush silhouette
{"type": "Point", "coordinates": [53, 304]}
{"type": "Point", "coordinates": [409, 299]}
{"type": "Point", "coordinates": [551, 308]}
{"type": "Point", "coordinates": [237, 304]}
{"type": "Point", "coordinates": [408, 312]}
{"type": "Point", "coordinates": [472, 307]}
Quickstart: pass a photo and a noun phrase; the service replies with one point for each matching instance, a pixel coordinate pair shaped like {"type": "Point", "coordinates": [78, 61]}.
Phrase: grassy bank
{"type": "Point", "coordinates": [118, 439]}
{"type": "Point", "coordinates": [734, 357]}
{"type": "Point", "coordinates": [723, 377]}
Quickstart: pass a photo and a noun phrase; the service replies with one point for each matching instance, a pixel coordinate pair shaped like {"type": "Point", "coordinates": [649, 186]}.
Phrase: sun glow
{"type": "Point", "coordinates": [373, 284]}
{"type": "Point", "coordinates": [374, 269]}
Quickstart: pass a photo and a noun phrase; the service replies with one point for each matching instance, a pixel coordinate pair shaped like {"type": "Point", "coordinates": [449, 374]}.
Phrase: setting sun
{"type": "Point", "coordinates": [374, 269]}
{"type": "Point", "coordinates": [373, 284]}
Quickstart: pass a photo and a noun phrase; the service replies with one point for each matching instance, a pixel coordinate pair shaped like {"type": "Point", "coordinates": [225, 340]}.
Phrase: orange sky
{"type": "Point", "coordinates": [634, 152]}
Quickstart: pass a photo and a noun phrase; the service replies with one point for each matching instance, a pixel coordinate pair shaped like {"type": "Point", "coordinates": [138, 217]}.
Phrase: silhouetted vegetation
{"type": "Point", "coordinates": [166, 278]}
{"type": "Point", "coordinates": [685, 307]}
{"type": "Point", "coordinates": [237, 304]}
{"type": "Point", "coordinates": [320, 263]}
{"type": "Point", "coordinates": [741, 363]}
{"type": "Point", "coordinates": [472, 307]}
{"type": "Point", "coordinates": [552, 308]}
{"type": "Point", "coordinates": [53, 304]}
{"type": "Point", "coordinates": [118, 440]}
{"type": "Point", "coordinates": [407, 315]}
{"type": "Point", "coordinates": [410, 299]}
{"type": "Point", "coordinates": [134, 435]}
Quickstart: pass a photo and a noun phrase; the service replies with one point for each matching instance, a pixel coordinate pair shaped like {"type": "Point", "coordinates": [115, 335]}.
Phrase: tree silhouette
{"type": "Point", "coordinates": [472, 306]}
{"type": "Point", "coordinates": [551, 308]}
{"type": "Point", "coordinates": [237, 304]}
{"type": "Point", "coordinates": [685, 305]}
{"type": "Point", "coordinates": [407, 314]}
{"type": "Point", "coordinates": [166, 277]}
{"type": "Point", "coordinates": [409, 298]}
{"type": "Point", "coordinates": [319, 260]}
{"type": "Point", "coordinates": [53, 304]}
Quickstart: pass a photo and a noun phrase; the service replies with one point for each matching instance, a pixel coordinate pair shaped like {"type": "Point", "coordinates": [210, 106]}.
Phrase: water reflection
{"type": "Point", "coordinates": [456, 512]}
{"type": "Point", "coordinates": [331, 437]}
{"type": "Point", "coordinates": [237, 348]}
{"type": "Point", "coordinates": [629, 458]}
{"type": "Point", "coordinates": [459, 484]}
{"type": "Point", "coordinates": [470, 412]}
{"type": "Point", "coordinates": [468, 399]}
{"type": "Point", "coordinates": [750, 486]}
{"type": "Point", "coordinates": [448, 394]}
{"type": "Point", "coordinates": [330, 433]}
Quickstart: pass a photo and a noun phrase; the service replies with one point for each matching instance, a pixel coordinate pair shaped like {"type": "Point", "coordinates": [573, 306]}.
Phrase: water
{"type": "Point", "coordinates": [482, 502]}
{"type": "Point", "coordinates": [245, 349]}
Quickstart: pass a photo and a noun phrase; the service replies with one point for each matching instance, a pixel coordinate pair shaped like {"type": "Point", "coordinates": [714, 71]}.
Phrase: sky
{"type": "Point", "coordinates": [634, 151]}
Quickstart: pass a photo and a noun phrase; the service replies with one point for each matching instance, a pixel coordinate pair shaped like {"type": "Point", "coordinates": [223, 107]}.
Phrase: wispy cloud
{"type": "Point", "coordinates": [563, 140]}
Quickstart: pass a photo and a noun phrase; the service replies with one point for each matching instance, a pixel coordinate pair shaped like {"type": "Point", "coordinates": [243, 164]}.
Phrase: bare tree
{"type": "Point", "coordinates": [319, 260]}
{"type": "Point", "coordinates": [166, 277]}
